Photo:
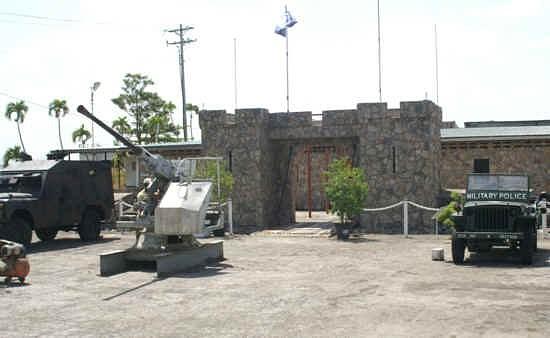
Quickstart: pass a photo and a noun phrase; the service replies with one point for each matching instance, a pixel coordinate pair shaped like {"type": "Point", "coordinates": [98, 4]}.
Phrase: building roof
{"type": "Point", "coordinates": [151, 147]}
{"type": "Point", "coordinates": [495, 133]}
{"type": "Point", "coordinates": [478, 124]}
{"type": "Point", "coordinates": [36, 165]}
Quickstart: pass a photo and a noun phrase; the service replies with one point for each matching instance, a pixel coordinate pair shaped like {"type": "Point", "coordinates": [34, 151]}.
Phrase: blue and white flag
{"type": "Point", "coordinates": [289, 21]}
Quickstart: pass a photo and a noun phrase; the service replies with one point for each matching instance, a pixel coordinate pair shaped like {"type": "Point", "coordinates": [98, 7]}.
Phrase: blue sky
{"type": "Point", "coordinates": [492, 57]}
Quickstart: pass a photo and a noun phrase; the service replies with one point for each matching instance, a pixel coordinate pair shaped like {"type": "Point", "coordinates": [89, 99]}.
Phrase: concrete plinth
{"type": "Point", "coordinates": [167, 261]}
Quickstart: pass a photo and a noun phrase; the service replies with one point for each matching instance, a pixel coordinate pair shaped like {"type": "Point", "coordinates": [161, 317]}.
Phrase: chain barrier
{"type": "Point", "coordinates": [405, 204]}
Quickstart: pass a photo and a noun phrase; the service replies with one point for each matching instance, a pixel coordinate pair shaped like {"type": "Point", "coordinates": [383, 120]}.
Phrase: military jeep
{"type": "Point", "coordinates": [51, 195]}
{"type": "Point", "coordinates": [496, 213]}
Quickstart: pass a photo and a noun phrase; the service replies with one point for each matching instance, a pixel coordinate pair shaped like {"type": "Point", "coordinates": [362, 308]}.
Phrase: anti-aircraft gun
{"type": "Point", "coordinates": [172, 209]}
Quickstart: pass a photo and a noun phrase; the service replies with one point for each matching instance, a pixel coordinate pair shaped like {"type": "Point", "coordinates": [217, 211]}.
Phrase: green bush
{"type": "Point", "coordinates": [346, 189]}
{"type": "Point", "coordinates": [450, 209]}
{"type": "Point", "coordinates": [207, 169]}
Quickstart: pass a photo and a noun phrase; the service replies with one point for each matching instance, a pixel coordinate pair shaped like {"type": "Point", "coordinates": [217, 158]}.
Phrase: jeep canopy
{"type": "Point", "coordinates": [498, 183]}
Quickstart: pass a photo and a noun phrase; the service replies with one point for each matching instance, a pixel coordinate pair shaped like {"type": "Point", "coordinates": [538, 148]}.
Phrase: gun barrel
{"type": "Point", "coordinates": [135, 149]}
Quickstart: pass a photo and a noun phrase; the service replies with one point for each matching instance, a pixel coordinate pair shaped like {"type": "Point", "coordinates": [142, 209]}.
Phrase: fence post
{"type": "Point", "coordinates": [230, 215]}
{"type": "Point", "coordinates": [406, 218]}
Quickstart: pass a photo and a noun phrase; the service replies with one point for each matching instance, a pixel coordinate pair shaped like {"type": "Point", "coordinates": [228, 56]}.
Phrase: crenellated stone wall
{"type": "Point", "coordinates": [399, 150]}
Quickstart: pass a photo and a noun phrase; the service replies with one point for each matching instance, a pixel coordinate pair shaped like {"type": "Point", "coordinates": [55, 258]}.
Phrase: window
{"type": "Point", "coordinates": [393, 160]}
{"type": "Point", "coordinates": [481, 166]}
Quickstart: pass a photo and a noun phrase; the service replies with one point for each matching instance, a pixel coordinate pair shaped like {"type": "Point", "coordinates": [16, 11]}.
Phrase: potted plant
{"type": "Point", "coordinates": [346, 190]}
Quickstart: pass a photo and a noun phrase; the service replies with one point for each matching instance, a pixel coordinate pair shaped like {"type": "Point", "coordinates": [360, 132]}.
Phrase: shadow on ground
{"type": "Point", "coordinates": [64, 243]}
{"type": "Point", "coordinates": [502, 257]}
{"type": "Point", "coordinates": [208, 270]}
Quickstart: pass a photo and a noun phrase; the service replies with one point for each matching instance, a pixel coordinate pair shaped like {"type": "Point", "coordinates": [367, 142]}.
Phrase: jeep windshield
{"type": "Point", "coordinates": [498, 183]}
{"type": "Point", "coordinates": [30, 183]}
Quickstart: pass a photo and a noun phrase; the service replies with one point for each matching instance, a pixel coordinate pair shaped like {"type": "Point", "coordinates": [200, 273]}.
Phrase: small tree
{"type": "Point", "coordinates": [208, 170]}
{"type": "Point", "coordinates": [81, 135]}
{"type": "Point", "coordinates": [444, 215]}
{"type": "Point", "coordinates": [13, 153]}
{"type": "Point", "coordinates": [346, 189]}
{"type": "Point", "coordinates": [119, 157]}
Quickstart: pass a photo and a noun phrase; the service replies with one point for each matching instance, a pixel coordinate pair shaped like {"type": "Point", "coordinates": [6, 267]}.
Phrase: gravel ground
{"type": "Point", "coordinates": [381, 285]}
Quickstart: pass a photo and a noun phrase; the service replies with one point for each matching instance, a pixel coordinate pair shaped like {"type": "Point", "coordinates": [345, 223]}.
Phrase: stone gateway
{"type": "Point", "coordinates": [398, 149]}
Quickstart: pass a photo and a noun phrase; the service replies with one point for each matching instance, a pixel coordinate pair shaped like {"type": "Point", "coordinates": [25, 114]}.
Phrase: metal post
{"type": "Point", "coordinates": [379, 57]}
{"type": "Point", "coordinates": [309, 201]}
{"type": "Point", "coordinates": [93, 135]}
{"type": "Point", "coordinates": [230, 215]}
{"type": "Point", "coordinates": [218, 179]}
{"type": "Point", "coordinates": [436, 68]}
{"type": "Point", "coordinates": [235, 70]}
{"type": "Point", "coordinates": [406, 218]}
{"type": "Point", "coordinates": [287, 81]}
{"type": "Point", "coordinates": [137, 172]}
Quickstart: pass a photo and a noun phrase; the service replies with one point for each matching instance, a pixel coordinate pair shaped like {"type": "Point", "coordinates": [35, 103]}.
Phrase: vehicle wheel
{"type": "Point", "coordinates": [90, 227]}
{"type": "Point", "coordinates": [458, 245]}
{"type": "Point", "coordinates": [46, 234]}
{"type": "Point", "coordinates": [526, 249]}
{"type": "Point", "coordinates": [18, 230]}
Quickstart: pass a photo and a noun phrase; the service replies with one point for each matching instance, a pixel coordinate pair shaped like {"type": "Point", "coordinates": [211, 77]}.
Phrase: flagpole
{"type": "Point", "coordinates": [287, 81]}
{"type": "Point", "coordinates": [379, 57]}
{"type": "Point", "coordinates": [235, 70]}
{"type": "Point", "coordinates": [436, 67]}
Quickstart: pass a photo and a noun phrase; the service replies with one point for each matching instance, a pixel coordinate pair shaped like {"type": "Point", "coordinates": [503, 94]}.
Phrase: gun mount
{"type": "Point", "coordinates": [171, 209]}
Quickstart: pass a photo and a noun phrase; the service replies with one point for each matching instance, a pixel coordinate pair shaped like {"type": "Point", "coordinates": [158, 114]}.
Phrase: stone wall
{"type": "Point", "coordinates": [399, 150]}
{"type": "Point", "coordinates": [531, 157]}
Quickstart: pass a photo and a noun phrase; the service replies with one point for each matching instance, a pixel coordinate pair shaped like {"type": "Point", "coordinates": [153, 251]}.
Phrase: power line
{"type": "Point", "coordinates": [37, 17]}
{"type": "Point", "coordinates": [21, 99]}
{"type": "Point", "coordinates": [181, 43]}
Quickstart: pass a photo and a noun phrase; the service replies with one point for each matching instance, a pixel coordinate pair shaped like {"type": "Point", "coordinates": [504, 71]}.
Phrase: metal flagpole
{"type": "Point", "coordinates": [436, 68]}
{"type": "Point", "coordinates": [379, 57]}
{"type": "Point", "coordinates": [235, 70]}
{"type": "Point", "coordinates": [287, 81]}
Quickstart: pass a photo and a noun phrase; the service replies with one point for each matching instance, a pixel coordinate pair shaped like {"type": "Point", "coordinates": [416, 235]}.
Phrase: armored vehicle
{"type": "Point", "coordinates": [53, 195]}
{"type": "Point", "coordinates": [496, 213]}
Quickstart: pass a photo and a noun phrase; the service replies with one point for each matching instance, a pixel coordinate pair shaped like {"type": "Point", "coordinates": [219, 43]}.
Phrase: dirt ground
{"type": "Point", "coordinates": [381, 285]}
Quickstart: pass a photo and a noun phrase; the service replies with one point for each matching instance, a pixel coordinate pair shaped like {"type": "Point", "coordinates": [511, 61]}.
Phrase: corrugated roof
{"type": "Point", "coordinates": [151, 147]}
{"type": "Point", "coordinates": [496, 133]}
{"type": "Point", "coordinates": [37, 165]}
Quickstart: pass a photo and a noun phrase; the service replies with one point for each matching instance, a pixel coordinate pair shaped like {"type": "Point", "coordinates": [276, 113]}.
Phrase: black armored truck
{"type": "Point", "coordinates": [51, 195]}
{"type": "Point", "coordinates": [496, 213]}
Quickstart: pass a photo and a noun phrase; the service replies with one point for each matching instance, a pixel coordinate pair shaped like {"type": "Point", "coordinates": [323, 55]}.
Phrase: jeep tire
{"type": "Point", "coordinates": [46, 234]}
{"type": "Point", "coordinates": [526, 248]}
{"type": "Point", "coordinates": [89, 227]}
{"type": "Point", "coordinates": [17, 230]}
{"type": "Point", "coordinates": [458, 246]}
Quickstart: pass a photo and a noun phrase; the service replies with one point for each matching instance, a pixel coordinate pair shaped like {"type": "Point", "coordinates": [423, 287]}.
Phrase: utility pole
{"type": "Point", "coordinates": [181, 43]}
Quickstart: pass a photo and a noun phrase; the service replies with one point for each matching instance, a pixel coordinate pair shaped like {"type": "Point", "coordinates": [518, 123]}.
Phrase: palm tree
{"type": "Point", "coordinates": [122, 126]}
{"type": "Point", "coordinates": [58, 109]}
{"type": "Point", "coordinates": [81, 135]}
{"type": "Point", "coordinates": [19, 109]}
{"type": "Point", "coordinates": [13, 153]}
